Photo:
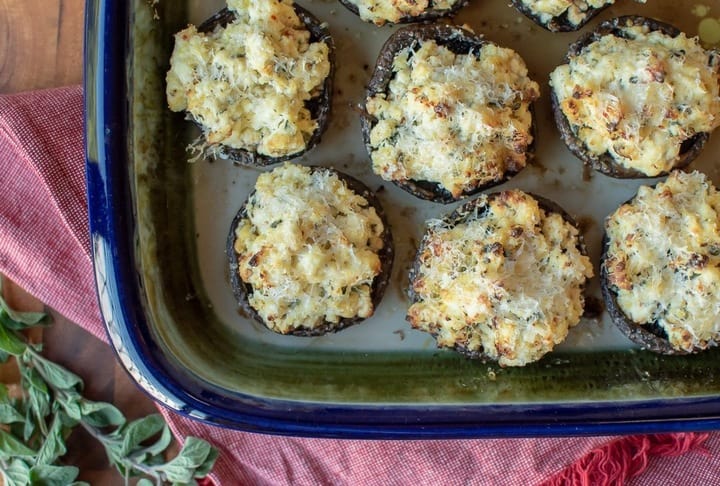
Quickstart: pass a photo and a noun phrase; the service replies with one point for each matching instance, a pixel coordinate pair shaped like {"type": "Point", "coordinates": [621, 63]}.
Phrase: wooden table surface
{"type": "Point", "coordinates": [41, 47]}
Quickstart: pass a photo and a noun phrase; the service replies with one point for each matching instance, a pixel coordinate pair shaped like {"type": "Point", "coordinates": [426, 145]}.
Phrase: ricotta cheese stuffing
{"type": "Point", "coordinates": [640, 97]}
{"type": "Point", "coordinates": [576, 11]}
{"type": "Point", "coordinates": [663, 259]}
{"type": "Point", "coordinates": [381, 11]}
{"type": "Point", "coordinates": [459, 120]}
{"type": "Point", "coordinates": [309, 247]}
{"type": "Point", "coordinates": [504, 279]}
{"type": "Point", "coordinates": [247, 83]}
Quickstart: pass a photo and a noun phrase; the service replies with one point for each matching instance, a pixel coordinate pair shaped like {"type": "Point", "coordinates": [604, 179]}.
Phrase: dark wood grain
{"type": "Point", "coordinates": [40, 44]}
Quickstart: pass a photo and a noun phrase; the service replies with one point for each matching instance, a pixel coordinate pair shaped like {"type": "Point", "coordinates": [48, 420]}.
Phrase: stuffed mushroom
{"type": "Point", "coordinates": [562, 15]}
{"type": "Point", "coordinates": [380, 12]}
{"type": "Point", "coordinates": [448, 113]}
{"type": "Point", "coordinates": [636, 98]}
{"type": "Point", "coordinates": [257, 78]}
{"type": "Point", "coordinates": [500, 279]}
{"type": "Point", "coordinates": [310, 251]}
{"type": "Point", "coordinates": [660, 270]}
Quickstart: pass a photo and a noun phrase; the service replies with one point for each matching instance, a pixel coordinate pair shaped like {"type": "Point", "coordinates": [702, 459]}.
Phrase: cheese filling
{"type": "Point", "coordinates": [458, 120]}
{"type": "Point", "coordinates": [506, 281]}
{"type": "Point", "coordinates": [639, 98]}
{"type": "Point", "coordinates": [575, 10]}
{"type": "Point", "coordinates": [382, 11]}
{"type": "Point", "coordinates": [247, 83]}
{"type": "Point", "coordinates": [309, 247]}
{"type": "Point", "coordinates": [663, 259]}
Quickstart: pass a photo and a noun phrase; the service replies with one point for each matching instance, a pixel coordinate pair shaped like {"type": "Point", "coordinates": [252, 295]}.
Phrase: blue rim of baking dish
{"type": "Point", "coordinates": [119, 292]}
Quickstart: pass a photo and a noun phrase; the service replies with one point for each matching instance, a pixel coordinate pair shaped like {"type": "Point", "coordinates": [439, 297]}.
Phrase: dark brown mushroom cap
{"type": "Point", "coordinates": [605, 162]}
{"type": "Point", "coordinates": [319, 106]}
{"type": "Point", "coordinates": [649, 336]}
{"type": "Point", "coordinates": [560, 23]}
{"type": "Point", "coordinates": [429, 14]}
{"type": "Point", "coordinates": [472, 210]}
{"type": "Point", "coordinates": [652, 336]}
{"type": "Point", "coordinates": [457, 40]}
{"type": "Point", "coordinates": [243, 290]}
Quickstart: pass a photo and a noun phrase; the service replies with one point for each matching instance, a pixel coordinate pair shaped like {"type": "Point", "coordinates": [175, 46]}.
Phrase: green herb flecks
{"type": "Point", "coordinates": [37, 418]}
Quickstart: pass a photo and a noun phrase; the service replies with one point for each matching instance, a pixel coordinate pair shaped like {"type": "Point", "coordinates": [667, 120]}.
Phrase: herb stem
{"type": "Point", "coordinates": [128, 462]}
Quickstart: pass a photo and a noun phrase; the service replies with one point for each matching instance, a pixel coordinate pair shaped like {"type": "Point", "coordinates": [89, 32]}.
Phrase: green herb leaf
{"type": "Point", "coordinates": [21, 318]}
{"type": "Point", "coordinates": [207, 465]}
{"type": "Point", "coordinates": [161, 444]}
{"type": "Point", "coordinates": [45, 475]}
{"type": "Point", "coordinates": [70, 402]}
{"type": "Point", "coordinates": [101, 414]}
{"type": "Point", "coordinates": [144, 482]}
{"type": "Point", "coordinates": [54, 445]}
{"type": "Point", "coordinates": [10, 342]}
{"type": "Point", "coordinates": [9, 414]}
{"type": "Point", "coordinates": [57, 376]}
{"type": "Point", "coordinates": [12, 447]}
{"type": "Point", "coordinates": [195, 454]}
{"type": "Point", "coordinates": [29, 427]}
{"type": "Point", "coordinates": [40, 404]}
{"type": "Point", "coordinates": [139, 431]}
{"type": "Point", "coordinates": [17, 473]}
{"type": "Point", "coordinates": [51, 405]}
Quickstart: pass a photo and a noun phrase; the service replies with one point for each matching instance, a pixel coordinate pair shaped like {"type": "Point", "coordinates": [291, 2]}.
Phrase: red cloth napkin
{"type": "Point", "coordinates": [44, 247]}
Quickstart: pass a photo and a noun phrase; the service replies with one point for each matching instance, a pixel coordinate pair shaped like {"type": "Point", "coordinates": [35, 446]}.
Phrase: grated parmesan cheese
{"type": "Point", "coordinates": [247, 83]}
{"type": "Point", "coordinates": [458, 120]}
{"type": "Point", "coordinates": [506, 280]}
{"type": "Point", "coordinates": [663, 259]}
{"type": "Point", "coordinates": [575, 10]}
{"type": "Point", "coordinates": [381, 11]}
{"type": "Point", "coordinates": [639, 98]}
{"type": "Point", "coordinates": [309, 247]}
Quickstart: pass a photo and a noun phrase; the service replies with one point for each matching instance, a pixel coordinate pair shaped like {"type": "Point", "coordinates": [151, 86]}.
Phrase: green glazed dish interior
{"type": "Point", "coordinates": [183, 212]}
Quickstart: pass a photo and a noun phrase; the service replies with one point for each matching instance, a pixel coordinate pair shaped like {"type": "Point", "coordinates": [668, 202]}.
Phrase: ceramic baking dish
{"type": "Point", "coordinates": [159, 225]}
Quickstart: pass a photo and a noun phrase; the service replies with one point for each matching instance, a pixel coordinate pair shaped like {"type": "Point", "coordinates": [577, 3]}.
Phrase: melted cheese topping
{"type": "Point", "coordinates": [576, 10]}
{"type": "Point", "coordinates": [638, 99]}
{"type": "Point", "coordinates": [663, 259]}
{"type": "Point", "coordinates": [381, 11]}
{"type": "Point", "coordinates": [507, 281]}
{"type": "Point", "coordinates": [247, 83]}
{"type": "Point", "coordinates": [309, 248]}
{"type": "Point", "coordinates": [458, 120]}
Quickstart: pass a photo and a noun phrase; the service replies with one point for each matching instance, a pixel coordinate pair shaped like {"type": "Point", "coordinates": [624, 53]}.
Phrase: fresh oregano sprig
{"type": "Point", "coordinates": [37, 417]}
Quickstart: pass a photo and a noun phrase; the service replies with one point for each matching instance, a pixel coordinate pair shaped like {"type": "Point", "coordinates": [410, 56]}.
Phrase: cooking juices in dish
{"type": "Point", "coordinates": [257, 78]}
{"type": "Point", "coordinates": [661, 265]}
{"type": "Point", "coordinates": [501, 278]}
{"type": "Point", "coordinates": [381, 12]}
{"type": "Point", "coordinates": [310, 251]}
{"type": "Point", "coordinates": [447, 113]}
{"type": "Point", "coordinates": [636, 97]}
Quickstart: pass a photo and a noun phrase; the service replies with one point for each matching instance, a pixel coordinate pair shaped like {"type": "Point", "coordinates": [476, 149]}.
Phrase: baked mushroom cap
{"type": "Point", "coordinates": [651, 337]}
{"type": "Point", "coordinates": [605, 163]}
{"type": "Point", "coordinates": [460, 42]}
{"type": "Point", "coordinates": [243, 291]}
{"type": "Point", "coordinates": [432, 12]}
{"type": "Point", "coordinates": [660, 256]}
{"type": "Point", "coordinates": [563, 22]}
{"type": "Point", "coordinates": [319, 106]}
{"type": "Point", "coordinates": [497, 282]}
